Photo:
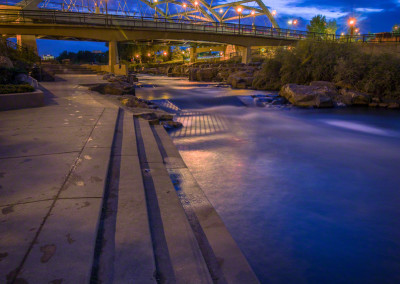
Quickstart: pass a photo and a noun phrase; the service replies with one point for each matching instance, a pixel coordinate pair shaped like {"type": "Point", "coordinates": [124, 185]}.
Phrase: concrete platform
{"type": "Point", "coordinates": [87, 197]}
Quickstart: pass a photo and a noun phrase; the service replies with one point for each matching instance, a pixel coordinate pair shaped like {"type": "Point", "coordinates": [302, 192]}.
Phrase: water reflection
{"type": "Point", "coordinates": [311, 196]}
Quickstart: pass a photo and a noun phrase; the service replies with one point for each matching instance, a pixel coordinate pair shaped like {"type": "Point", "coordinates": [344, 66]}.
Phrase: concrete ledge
{"type": "Point", "coordinates": [21, 100]}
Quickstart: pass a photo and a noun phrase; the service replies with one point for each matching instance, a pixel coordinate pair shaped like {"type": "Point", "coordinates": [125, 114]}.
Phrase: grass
{"type": "Point", "coordinates": [10, 88]}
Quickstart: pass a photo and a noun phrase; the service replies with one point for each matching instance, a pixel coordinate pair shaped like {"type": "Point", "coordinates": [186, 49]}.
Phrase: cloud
{"type": "Point", "coordinates": [369, 10]}
{"type": "Point", "coordinates": [292, 7]}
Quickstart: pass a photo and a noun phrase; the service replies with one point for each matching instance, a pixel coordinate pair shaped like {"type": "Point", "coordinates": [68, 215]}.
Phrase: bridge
{"type": "Point", "coordinates": [201, 24]}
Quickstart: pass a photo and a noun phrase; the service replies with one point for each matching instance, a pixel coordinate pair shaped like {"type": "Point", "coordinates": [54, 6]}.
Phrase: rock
{"type": "Point", "coordinates": [132, 101]}
{"type": "Point", "coordinates": [165, 116]}
{"type": "Point", "coordinates": [6, 62]}
{"type": "Point", "coordinates": [307, 96]}
{"type": "Point", "coordinates": [116, 88]}
{"type": "Point", "coordinates": [373, 104]}
{"type": "Point", "coordinates": [393, 106]}
{"type": "Point", "coordinates": [24, 78]}
{"type": "Point", "coordinates": [384, 105]}
{"type": "Point", "coordinates": [350, 97]}
{"type": "Point", "coordinates": [171, 124]}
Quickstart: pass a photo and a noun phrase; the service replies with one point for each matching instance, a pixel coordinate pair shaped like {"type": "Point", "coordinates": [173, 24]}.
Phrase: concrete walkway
{"type": "Point", "coordinates": [86, 197]}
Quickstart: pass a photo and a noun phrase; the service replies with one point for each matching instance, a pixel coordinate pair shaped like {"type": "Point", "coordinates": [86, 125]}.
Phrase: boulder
{"type": "Point", "coordinates": [393, 106]}
{"type": "Point", "coordinates": [171, 124]}
{"type": "Point", "coordinates": [307, 96]}
{"type": "Point", "coordinates": [6, 62]}
{"type": "Point", "coordinates": [117, 88]}
{"type": "Point", "coordinates": [350, 97]}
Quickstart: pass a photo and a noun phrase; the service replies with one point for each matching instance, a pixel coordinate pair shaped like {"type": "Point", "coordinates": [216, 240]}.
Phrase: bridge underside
{"type": "Point", "coordinates": [80, 32]}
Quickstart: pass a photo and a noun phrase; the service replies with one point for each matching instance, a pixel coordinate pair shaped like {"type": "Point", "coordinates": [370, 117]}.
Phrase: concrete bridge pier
{"type": "Point", "coordinates": [193, 54]}
{"type": "Point", "coordinates": [113, 58]}
{"type": "Point", "coordinates": [27, 41]}
{"type": "Point", "coordinates": [245, 52]}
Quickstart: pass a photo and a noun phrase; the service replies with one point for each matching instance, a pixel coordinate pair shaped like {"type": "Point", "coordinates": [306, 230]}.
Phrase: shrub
{"type": "Point", "coordinates": [9, 88]}
{"type": "Point", "coordinates": [341, 63]}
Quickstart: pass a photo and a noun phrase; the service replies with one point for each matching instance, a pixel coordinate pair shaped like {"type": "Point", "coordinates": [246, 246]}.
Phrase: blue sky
{"type": "Point", "coordinates": [372, 16]}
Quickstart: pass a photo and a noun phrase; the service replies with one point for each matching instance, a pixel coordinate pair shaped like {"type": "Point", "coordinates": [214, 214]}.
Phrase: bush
{"type": "Point", "coordinates": [9, 89]}
{"type": "Point", "coordinates": [343, 64]}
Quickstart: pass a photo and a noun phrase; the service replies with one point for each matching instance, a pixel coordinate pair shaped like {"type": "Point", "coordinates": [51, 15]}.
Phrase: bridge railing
{"type": "Point", "coordinates": [163, 24]}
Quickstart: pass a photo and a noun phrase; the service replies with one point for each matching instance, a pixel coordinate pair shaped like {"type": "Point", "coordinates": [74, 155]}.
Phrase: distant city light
{"type": "Point", "coordinates": [165, 53]}
{"type": "Point", "coordinates": [137, 55]}
{"type": "Point", "coordinates": [290, 22]}
{"type": "Point", "coordinates": [273, 13]}
{"type": "Point", "coordinates": [148, 54]}
{"type": "Point", "coordinates": [295, 22]}
{"type": "Point", "coordinates": [342, 34]}
{"type": "Point", "coordinates": [221, 53]}
{"type": "Point", "coordinates": [357, 30]}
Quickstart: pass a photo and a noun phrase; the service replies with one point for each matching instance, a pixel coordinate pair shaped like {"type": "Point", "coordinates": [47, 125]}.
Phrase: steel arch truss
{"type": "Point", "coordinates": [204, 11]}
{"type": "Point", "coordinates": [174, 10]}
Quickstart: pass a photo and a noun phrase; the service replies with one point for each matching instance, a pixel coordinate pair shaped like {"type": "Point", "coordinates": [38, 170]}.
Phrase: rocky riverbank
{"type": "Point", "coordinates": [318, 94]}
{"type": "Point", "coordinates": [122, 90]}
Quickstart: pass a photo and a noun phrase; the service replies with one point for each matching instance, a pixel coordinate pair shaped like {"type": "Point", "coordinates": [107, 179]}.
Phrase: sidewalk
{"type": "Point", "coordinates": [86, 197]}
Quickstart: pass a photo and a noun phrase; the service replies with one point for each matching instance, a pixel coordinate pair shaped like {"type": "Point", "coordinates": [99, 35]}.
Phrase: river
{"type": "Point", "coordinates": [310, 196]}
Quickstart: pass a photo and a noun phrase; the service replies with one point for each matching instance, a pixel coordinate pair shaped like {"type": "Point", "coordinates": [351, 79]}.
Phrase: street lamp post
{"type": "Point", "coordinates": [239, 11]}
{"type": "Point", "coordinates": [352, 24]}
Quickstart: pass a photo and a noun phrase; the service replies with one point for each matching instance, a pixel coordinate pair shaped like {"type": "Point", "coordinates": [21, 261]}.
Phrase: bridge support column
{"type": "Point", "coordinates": [246, 54]}
{"type": "Point", "coordinates": [193, 54]}
{"type": "Point", "coordinates": [112, 55]}
{"type": "Point", "coordinates": [27, 41]}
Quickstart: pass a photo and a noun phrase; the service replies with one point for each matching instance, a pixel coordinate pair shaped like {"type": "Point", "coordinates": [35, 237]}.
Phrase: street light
{"type": "Point", "coordinates": [196, 3]}
{"type": "Point", "coordinates": [221, 11]}
{"type": "Point", "coordinates": [239, 10]}
{"type": "Point", "coordinates": [352, 23]}
{"type": "Point", "coordinates": [273, 13]}
{"type": "Point", "coordinates": [254, 18]}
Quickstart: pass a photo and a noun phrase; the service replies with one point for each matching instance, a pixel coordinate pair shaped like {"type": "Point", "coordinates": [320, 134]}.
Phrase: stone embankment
{"type": "Point", "coordinates": [322, 94]}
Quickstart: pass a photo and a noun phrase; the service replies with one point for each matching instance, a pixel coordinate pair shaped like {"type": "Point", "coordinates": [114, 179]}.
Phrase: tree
{"type": "Point", "coordinates": [331, 27]}
{"type": "Point", "coordinates": [317, 25]}
{"type": "Point", "coordinates": [396, 29]}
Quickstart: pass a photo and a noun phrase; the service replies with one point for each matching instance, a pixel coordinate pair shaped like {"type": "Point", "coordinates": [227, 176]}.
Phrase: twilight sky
{"type": "Point", "coordinates": [372, 16]}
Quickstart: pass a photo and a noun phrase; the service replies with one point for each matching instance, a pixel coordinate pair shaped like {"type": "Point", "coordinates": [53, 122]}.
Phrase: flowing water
{"type": "Point", "coordinates": [310, 196]}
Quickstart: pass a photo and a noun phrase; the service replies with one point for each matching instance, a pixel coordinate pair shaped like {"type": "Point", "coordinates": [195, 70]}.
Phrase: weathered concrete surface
{"type": "Point", "coordinates": [187, 261]}
{"type": "Point", "coordinates": [42, 149]}
{"type": "Point", "coordinates": [134, 257]}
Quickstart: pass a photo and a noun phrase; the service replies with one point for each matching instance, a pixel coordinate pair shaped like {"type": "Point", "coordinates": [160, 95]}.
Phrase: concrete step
{"type": "Point", "coordinates": [134, 256]}
{"type": "Point", "coordinates": [225, 261]}
{"type": "Point", "coordinates": [177, 254]}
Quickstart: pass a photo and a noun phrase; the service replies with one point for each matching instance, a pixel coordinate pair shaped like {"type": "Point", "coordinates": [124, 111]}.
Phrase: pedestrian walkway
{"type": "Point", "coordinates": [86, 197]}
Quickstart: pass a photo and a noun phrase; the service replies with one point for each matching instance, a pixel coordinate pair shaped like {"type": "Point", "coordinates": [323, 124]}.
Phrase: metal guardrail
{"type": "Point", "coordinates": [163, 24]}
